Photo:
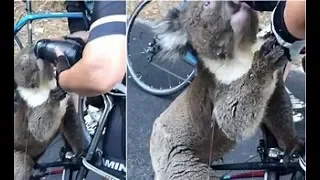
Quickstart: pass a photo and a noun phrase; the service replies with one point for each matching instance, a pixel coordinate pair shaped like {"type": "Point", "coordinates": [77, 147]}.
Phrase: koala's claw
{"type": "Point", "coordinates": [272, 53]}
{"type": "Point", "coordinates": [57, 94]}
{"type": "Point", "coordinates": [297, 149]}
{"type": "Point", "coordinates": [276, 56]}
{"type": "Point", "coordinates": [268, 45]}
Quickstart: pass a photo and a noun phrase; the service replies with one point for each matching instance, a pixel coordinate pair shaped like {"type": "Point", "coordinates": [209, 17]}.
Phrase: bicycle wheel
{"type": "Point", "coordinates": [154, 75]}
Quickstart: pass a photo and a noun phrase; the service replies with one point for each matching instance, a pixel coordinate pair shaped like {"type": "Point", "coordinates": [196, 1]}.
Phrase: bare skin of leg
{"type": "Point", "coordinates": [294, 17]}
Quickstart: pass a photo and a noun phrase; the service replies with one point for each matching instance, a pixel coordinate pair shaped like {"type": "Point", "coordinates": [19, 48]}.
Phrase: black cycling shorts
{"type": "Point", "coordinates": [108, 18]}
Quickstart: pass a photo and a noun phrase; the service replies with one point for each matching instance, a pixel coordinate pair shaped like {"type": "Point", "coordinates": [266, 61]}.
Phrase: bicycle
{"type": "Point", "coordinates": [270, 165]}
{"type": "Point", "coordinates": [113, 101]}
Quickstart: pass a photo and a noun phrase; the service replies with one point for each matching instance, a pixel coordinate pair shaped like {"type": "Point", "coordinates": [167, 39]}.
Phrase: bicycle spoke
{"type": "Point", "coordinates": [54, 143]}
{"type": "Point", "coordinates": [245, 162]}
{"type": "Point", "coordinates": [135, 54]}
{"type": "Point", "coordinates": [144, 67]}
{"type": "Point", "coordinates": [138, 34]}
{"type": "Point", "coordinates": [169, 81]}
{"type": "Point", "coordinates": [143, 29]}
{"type": "Point", "coordinates": [169, 72]}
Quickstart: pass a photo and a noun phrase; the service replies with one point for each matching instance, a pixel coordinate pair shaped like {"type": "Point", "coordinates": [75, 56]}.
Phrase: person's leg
{"type": "Point", "coordinates": [294, 18]}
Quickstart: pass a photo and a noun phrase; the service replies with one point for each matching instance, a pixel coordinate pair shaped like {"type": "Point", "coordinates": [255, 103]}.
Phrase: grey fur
{"type": "Point", "coordinates": [36, 125]}
{"type": "Point", "coordinates": [210, 112]}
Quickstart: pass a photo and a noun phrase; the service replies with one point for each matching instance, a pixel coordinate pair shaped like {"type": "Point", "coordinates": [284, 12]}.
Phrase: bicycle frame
{"type": "Point", "coordinates": [83, 164]}
{"type": "Point", "coordinates": [267, 164]}
{"type": "Point", "coordinates": [31, 16]}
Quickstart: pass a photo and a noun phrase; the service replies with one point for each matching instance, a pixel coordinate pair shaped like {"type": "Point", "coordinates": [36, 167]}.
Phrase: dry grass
{"type": "Point", "coordinates": [41, 28]}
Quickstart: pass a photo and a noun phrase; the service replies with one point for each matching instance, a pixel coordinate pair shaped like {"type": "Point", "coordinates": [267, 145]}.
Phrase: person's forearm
{"type": "Point", "coordinates": [80, 80]}
{"type": "Point", "coordinates": [95, 73]}
{"type": "Point", "coordinates": [294, 17]}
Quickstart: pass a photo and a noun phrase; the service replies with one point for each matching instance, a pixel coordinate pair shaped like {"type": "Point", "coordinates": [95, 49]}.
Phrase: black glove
{"type": "Point", "coordinates": [61, 64]}
{"type": "Point", "coordinates": [262, 5]}
{"type": "Point", "coordinates": [71, 47]}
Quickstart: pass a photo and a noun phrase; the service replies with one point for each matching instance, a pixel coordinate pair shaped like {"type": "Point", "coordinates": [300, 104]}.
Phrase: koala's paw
{"type": "Point", "coordinates": [57, 94]}
{"type": "Point", "coordinates": [297, 149]}
{"type": "Point", "coordinates": [271, 55]}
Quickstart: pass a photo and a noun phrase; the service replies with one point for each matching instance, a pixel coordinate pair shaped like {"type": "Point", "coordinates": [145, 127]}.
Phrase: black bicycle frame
{"type": "Point", "coordinates": [108, 102]}
{"type": "Point", "coordinates": [70, 165]}
{"type": "Point", "coordinates": [268, 164]}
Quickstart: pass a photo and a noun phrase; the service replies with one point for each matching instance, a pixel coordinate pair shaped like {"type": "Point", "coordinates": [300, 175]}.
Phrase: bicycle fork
{"type": "Point", "coordinates": [108, 103]}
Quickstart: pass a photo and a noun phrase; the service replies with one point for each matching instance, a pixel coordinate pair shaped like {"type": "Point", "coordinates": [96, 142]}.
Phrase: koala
{"type": "Point", "coordinates": [43, 111]}
{"type": "Point", "coordinates": [237, 89]}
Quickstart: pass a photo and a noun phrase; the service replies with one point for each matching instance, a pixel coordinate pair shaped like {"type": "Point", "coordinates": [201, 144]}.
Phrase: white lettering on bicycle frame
{"type": "Point", "coordinates": [114, 165]}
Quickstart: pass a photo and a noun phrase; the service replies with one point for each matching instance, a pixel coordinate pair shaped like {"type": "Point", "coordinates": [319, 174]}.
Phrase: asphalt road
{"type": "Point", "coordinates": [144, 108]}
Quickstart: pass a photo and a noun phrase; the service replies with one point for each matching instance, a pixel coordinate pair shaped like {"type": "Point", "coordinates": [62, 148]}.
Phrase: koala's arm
{"type": "Point", "coordinates": [44, 120]}
{"type": "Point", "coordinates": [242, 103]}
{"type": "Point", "coordinates": [73, 131]}
{"type": "Point", "coordinates": [279, 119]}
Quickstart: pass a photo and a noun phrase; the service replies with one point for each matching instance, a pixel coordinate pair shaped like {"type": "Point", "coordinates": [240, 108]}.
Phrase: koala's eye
{"type": "Point", "coordinates": [33, 84]}
{"type": "Point", "coordinates": [207, 3]}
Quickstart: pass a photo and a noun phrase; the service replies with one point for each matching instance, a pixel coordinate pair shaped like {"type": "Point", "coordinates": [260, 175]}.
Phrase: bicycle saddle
{"type": "Point", "coordinates": [71, 47]}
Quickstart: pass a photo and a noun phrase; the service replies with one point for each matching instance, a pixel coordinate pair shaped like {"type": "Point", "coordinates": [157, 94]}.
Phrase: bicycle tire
{"type": "Point", "coordinates": [136, 79]}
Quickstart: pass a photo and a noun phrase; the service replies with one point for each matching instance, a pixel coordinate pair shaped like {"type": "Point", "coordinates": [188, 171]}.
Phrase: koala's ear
{"type": "Point", "coordinates": [170, 36]}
